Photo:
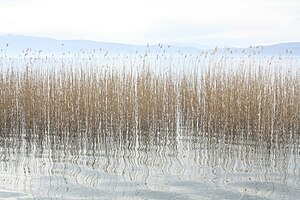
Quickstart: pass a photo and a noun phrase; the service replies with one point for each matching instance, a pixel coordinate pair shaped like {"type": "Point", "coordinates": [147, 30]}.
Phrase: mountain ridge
{"type": "Point", "coordinates": [13, 44]}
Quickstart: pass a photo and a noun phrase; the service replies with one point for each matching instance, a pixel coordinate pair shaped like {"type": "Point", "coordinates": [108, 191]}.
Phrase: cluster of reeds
{"type": "Point", "coordinates": [251, 97]}
{"type": "Point", "coordinates": [214, 95]}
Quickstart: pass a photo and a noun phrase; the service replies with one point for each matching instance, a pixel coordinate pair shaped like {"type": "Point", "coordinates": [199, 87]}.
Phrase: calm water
{"type": "Point", "coordinates": [182, 164]}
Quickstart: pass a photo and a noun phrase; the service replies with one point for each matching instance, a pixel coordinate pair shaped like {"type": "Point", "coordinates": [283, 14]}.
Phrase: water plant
{"type": "Point", "coordinates": [209, 93]}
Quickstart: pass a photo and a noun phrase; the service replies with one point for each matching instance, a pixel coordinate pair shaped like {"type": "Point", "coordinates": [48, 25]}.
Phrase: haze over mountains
{"type": "Point", "coordinates": [18, 43]}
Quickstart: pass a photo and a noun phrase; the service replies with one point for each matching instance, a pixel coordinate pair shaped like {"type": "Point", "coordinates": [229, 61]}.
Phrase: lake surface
{"type": "Point", "coordinates": [181, 164]}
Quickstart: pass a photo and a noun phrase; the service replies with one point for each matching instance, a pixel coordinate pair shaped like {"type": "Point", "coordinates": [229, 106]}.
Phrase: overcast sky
{"type": "Point", "coordinates": [206, 22]}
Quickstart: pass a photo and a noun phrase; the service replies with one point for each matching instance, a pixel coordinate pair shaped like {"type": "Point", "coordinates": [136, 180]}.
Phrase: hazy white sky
{"type": "Point", "coordinates": [207, 22]}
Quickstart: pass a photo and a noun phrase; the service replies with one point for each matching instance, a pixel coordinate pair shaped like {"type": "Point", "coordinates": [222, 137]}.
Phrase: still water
{"type": "Point", "coordinates": [182, 164]}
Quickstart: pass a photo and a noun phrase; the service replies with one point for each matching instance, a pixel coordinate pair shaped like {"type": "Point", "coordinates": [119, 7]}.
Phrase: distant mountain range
{"type": "Point", "coordinates": [17, 44]}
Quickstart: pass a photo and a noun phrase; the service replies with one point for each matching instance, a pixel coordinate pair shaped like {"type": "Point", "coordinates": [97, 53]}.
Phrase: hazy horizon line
{"type": "Point", "coordinates": [175, 43]}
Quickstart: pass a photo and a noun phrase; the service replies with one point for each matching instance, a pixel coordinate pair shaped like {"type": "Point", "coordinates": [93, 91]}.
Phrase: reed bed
{"type": "Point", "coordinates": [209, 94]}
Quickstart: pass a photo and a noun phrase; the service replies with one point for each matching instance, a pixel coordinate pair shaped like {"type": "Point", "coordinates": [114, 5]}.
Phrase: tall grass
{"type": "Point", "coordinates": [213, 95]}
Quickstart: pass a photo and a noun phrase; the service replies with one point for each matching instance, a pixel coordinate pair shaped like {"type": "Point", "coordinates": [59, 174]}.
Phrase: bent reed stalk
{"type": "Point", "coordinates": [213, 96]}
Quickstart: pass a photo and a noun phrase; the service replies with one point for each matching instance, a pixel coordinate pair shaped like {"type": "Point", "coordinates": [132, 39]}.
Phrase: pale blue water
{"type": "Point", "coordinates": [136, 165]}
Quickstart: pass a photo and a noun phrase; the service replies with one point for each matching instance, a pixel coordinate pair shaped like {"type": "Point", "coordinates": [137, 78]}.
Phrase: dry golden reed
{"type": "Point", "coordinates": [213, 95]}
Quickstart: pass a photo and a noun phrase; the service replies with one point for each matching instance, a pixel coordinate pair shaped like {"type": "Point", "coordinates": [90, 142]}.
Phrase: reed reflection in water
{"type": "Point", "coordinates": [156, 165]}
{"type": "Point", "coordinates": [87, 128]}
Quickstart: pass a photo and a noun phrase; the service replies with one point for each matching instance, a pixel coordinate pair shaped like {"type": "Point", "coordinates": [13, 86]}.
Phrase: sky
{"type": "Point", "coordinates": [236, 23]}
